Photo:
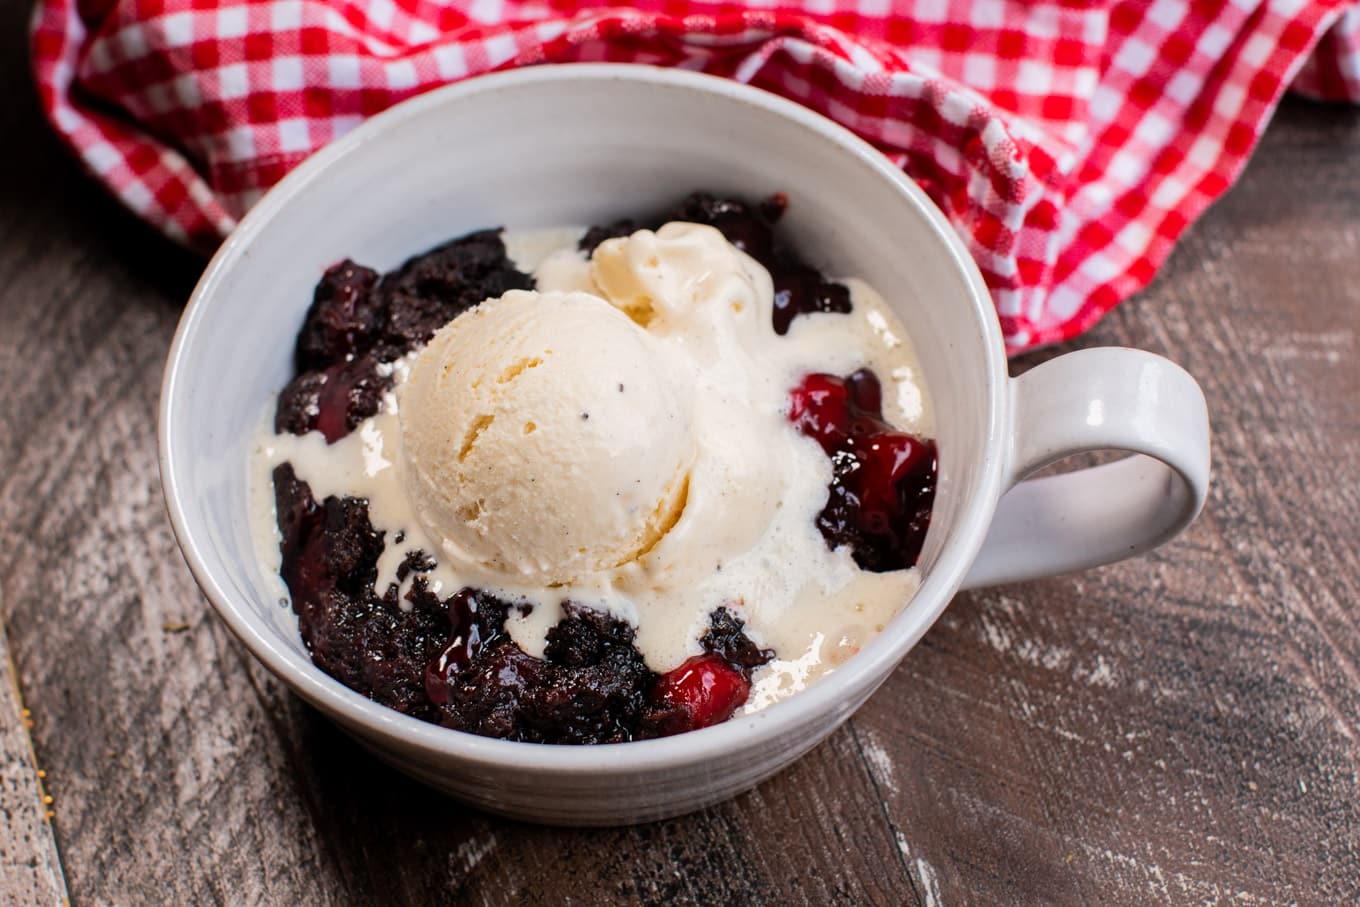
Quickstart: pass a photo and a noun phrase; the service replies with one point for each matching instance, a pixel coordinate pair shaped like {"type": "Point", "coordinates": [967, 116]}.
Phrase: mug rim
{"type": "Point", "coordinates": [351, 708]}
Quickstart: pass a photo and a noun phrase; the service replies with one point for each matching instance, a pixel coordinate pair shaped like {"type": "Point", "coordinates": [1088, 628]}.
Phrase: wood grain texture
{"type": "Point", "coordinates": [30, 870]}
{"type": "Point", "coordinates": [1179, 729]}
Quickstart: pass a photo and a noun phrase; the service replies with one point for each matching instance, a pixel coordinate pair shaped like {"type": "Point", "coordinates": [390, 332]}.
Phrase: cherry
{"type": "Point", "coordinates": [888, 460]}
{"type": "Point", "coordinates": [820, 409]}
{"type": "Point", "coordinates": [703, 691]}
{"type": "Point", "coordinates": [883, 482]}
{"type": "Point", "coordinates": [865, 391]}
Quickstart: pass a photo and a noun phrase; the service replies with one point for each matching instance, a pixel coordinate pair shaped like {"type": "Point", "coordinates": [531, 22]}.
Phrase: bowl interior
{"type": "Point", "coordinates": [577, 144]}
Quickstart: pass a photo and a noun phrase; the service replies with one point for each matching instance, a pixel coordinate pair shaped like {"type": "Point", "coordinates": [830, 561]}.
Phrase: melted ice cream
{"type": "Point", "coordinates": [746, 537]}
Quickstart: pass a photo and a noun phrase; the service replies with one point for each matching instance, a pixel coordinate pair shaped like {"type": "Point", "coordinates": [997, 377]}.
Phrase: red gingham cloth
{"type": "Point", "coordinates": [1070, 143]}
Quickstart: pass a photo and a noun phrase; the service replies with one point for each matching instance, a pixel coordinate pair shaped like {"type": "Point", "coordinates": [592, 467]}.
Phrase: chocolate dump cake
{"type": "Point", "coordinates": [380, 605]}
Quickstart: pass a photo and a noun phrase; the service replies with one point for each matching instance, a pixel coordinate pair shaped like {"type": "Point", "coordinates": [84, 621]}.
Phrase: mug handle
{"type": "Point", "coordinates": [1096, 399]}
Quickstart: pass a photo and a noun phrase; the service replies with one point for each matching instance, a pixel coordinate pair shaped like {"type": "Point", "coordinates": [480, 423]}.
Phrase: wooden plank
{"type": "Point", "coordinates": [1180, 728]}
{"type": "Point", "coordinates": [772, 846]}
{"type": "Point", "coordinates": [30, 870]}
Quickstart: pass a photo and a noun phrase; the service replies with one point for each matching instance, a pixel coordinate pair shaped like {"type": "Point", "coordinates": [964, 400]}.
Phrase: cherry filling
{"type": "Point", "coordinates": [703, 691]}
{"type": "Point", "coordinates": [464, 643]}
{"type": "Point", "coordinates": [883, 480]}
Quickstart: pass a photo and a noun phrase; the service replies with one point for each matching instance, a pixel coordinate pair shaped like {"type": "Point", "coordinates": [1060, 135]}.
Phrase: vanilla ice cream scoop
{"type": "Point", "coordinates": [542, 440]}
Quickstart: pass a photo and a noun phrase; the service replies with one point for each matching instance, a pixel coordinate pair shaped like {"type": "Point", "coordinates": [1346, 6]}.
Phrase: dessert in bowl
{"type": "Point", "coordinates": [594, 485]}
{"type": "Point", "coordinates": [588, 145]}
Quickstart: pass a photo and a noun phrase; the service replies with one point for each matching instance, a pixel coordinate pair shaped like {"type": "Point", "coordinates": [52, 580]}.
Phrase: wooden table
{"type": "Point", "coordinates": [1177, 729]}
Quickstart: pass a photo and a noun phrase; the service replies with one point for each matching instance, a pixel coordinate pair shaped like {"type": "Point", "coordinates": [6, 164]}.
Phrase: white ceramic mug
{"type": "Point", "coordinates": [587, 144]}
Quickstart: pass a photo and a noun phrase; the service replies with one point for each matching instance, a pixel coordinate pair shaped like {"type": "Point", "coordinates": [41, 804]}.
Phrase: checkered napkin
{"type": "Point", "coordinates": [1070, 143]}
